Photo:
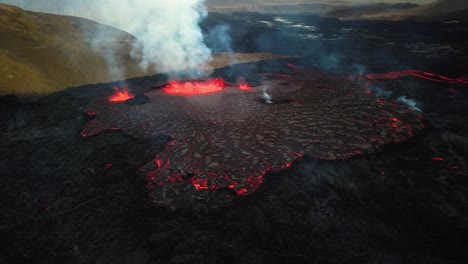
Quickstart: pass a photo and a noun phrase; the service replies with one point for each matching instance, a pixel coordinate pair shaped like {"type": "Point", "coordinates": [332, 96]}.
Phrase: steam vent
{"type": "Point", "coordinates": [229, 137]}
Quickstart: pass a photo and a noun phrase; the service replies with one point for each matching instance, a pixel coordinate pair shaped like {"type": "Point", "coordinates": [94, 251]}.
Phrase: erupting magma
{"type": "Point", "coordinates": [190, 88]}
{"type": "Point", "coordinates": [227, 138]}
{"type": "Point", "coordinates": [120, 96]}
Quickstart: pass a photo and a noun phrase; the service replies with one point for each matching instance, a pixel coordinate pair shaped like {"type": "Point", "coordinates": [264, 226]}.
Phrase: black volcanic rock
{"type": "Point", "coordinates": [139, 99]}
{"type": "Point", "coordinates": [68, 200]}
{"type": "Point", "coordinates": [8, 104]}
{"type": "Point", "coordinates": [400, 5]}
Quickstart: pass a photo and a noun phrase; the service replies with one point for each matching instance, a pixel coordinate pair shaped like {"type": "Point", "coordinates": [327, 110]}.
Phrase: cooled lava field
{"type": "Point", "coordinates": [346, 157]}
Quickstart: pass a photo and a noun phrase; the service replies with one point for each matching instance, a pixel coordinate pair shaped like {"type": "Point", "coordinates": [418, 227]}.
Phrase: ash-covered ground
{"type": "Point", "coordinates": [73, 199]}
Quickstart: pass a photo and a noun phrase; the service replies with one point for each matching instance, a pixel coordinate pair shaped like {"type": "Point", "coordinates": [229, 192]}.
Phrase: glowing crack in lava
{"type": "Point", "coordinates": [389, 75]}
{"type": "Point", "coordinates": [420, 74]}
{"type": "Point", "coordinates": [121, 96]}
{"type": "Point", "coordinates": [228, 139]}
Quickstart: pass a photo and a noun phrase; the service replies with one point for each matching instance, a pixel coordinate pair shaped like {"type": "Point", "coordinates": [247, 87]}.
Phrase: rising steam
{"type": "Point", "coordinates": [167, 31]}
{"type": "Point", "coordinates": [266, 96]}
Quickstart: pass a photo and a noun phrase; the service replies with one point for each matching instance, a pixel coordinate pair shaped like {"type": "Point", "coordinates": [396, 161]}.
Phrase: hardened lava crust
{"type": "Point", "coordinates": [230, 138]}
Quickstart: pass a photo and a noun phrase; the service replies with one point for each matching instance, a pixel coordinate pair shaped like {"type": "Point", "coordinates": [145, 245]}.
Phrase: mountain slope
{"type": "Point", "coordinates": [43, 53]}
{"type": "Point", "coordinates": [432, 10]}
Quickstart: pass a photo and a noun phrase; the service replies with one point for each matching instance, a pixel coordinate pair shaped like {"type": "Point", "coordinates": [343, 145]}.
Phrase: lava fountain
{"type": "Point", "coordinates": [192, 88]}
{"type": "Point", "coordinates": [121, 96]}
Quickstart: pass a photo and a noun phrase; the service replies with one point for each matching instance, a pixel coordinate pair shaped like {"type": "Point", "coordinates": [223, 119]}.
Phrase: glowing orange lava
{"type": "Point", "coordinates": [420, 74]}
{"type": "Point", "coordinates": [244, 86]}
{"type": "Point", "coordinates": [194, 87]}
{"type": "Point", "coordinates": [191, 88]}
{"type": "Point", "coordinates": [121, 96]}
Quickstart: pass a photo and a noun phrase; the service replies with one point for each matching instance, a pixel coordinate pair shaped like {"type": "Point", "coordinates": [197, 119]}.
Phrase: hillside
{"type": "Point", "coordinates": [441, 9]}
{"type": "Point", "coordinates": [367, 9]}
{"type": "Point", "coordinates": [348, 10]}
{"type": "Point", "coordinates": [336, 9]}
{"type": "Point", "coordinates": [43, 53]}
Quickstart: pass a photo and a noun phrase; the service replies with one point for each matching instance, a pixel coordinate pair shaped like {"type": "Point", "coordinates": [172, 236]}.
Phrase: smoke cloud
{"type": "Point", "coordinates": [219, 40]}
{"type": "Point", "coordinates": [167, 31]}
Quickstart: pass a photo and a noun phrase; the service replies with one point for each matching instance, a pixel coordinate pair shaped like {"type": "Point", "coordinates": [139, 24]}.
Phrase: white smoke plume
{"type": "Point", "coordinates": [266, 96]}
{"type": "Point", "coordinates": [411, 103]}
{"type": "Point", "coordinates": [221, 41]}
{"type": "Point", "coordinates": [168, 31]}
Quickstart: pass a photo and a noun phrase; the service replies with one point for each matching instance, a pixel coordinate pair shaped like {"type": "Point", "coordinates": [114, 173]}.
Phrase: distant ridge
{"type": "Point", "coordinates": [438, 10]}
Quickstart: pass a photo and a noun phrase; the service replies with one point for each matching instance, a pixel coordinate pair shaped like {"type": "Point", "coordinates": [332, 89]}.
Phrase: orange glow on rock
{"type": "Point", "coordinates": [199, 183]}
{"type": "Point", "coordinates": [244, 86]}
{"type": "Point", "coordinates": [121, 96]}
{"type": "Point", "coordinates": [420, 74]}
{"type": "Point", "coordinates": [242, 191]}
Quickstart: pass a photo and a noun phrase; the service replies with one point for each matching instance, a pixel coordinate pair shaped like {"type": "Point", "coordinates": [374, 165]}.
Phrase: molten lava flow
{"type": "Point", "coordinates": [194, 87]}
{"type": "Point", "coordinates": [244, 86]}
{"type": "Point", "coordinates": [199, 183]}
{"type": "Point", "coordinates": [120, 96]}
{"type": "Point", "coordinates": [420, 74]}
{"type": "Point", "coordinates": [191, 88]}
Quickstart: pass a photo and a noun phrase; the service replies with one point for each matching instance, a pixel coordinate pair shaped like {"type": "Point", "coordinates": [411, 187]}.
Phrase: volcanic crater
{"type": "Point", "coordinates": [229, 136]}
